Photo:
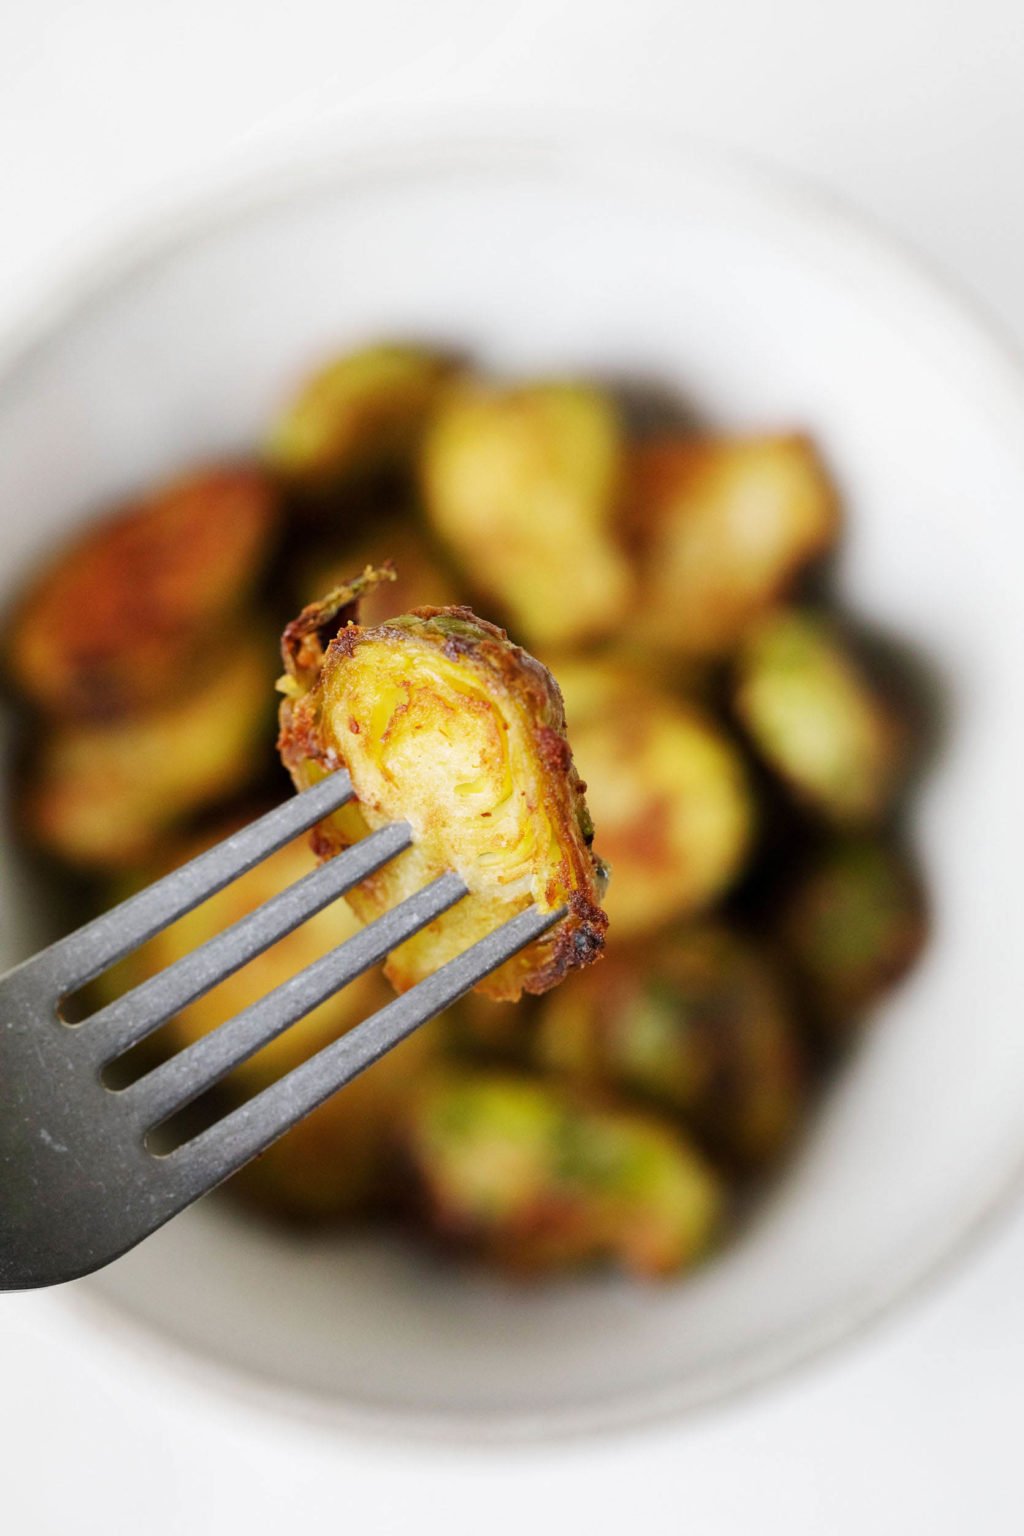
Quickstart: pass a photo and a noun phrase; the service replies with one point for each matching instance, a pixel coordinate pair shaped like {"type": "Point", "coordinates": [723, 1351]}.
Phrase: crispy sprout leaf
{"type": "Point", "coordinates": [421, 578]}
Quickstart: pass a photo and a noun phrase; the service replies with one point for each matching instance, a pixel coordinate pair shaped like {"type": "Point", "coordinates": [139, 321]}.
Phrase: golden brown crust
{"type": "Point", "coordinates": [456, 685]}
{"type": "Point", "coordinates": [120, 618]}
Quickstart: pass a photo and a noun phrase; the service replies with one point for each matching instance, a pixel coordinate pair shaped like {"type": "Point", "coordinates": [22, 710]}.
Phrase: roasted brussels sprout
{"type": "Point", "coordinates": [697, 1022]}
{"type": "Point", "coordinates": [333, 1162]}
{"type": "Point", "coordinates": [522, 1173]}
{"type": "Point", "coordinates": [723, 528]}
{"type": "Point", "coordinates": [853, 926]}
{"type": "Point", "coordinates": [118, 621]}
{"type": "Point", "coordinates": [522, 485]}
{"type": "Point", "coordinates": [816, 719]}
{"type": "Point", "coordinates": [667, 790]}
{"type": "Point", "coordinates": [363, 412]}
{"type": "Point", "coordinates": [103, 795]}
{"type": "Point", "coordinates": [442, 722]}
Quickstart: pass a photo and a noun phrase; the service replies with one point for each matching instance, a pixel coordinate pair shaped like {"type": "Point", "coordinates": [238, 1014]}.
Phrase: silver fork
{"type": "Point", "coordinates": [79, 1185]}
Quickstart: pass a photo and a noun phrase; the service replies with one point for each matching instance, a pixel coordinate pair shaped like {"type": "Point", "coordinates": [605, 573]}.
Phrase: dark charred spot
{"type": "Point", "coordinates": [456, 647]}
{"type": "Point", "coordinates": [345, 642]}
{"type": "Point", "coordinates": [587, 942]}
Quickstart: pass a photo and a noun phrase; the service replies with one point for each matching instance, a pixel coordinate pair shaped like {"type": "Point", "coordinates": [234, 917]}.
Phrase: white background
{"type": "Point", "coordinates": [912, 109]}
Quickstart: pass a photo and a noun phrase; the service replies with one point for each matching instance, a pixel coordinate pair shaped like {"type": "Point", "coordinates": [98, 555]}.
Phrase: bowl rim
{"type": "Point", "coordinates": [435, 142]}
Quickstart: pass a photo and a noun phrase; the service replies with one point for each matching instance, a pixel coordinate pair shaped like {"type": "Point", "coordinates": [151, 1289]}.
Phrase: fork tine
{"type": "Point", "coordinates": [213, 1155]}
{"type": "Point", "coordinates": [76, 959]}
{"type": "Point", "coordinates": [176, 1082]}
{"type": "Point", "coordinates": [123, 1023]}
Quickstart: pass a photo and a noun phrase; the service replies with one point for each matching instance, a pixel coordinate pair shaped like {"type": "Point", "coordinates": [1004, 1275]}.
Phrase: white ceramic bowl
{"type": "Point", "coordinates": [766, 308]}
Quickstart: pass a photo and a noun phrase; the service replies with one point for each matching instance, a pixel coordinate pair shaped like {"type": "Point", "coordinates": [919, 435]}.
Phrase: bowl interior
{"type": "Point", "coordinates": [764, 311]}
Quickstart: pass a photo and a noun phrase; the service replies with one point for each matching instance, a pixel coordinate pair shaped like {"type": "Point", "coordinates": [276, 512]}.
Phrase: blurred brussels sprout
{"type": "Point", "coordinates": [445, 724]}
{"type": "Point", "coordinates": [853, 926]}
{"type": "Point", "coordinates": [524, 1174]}
{"type": "Point", "coordinates": [421, 579]}
{"type": "Point", "coordinates": [816, 719]}
{"type": "Point", "coordinates": [723, 529]}
{"type": "Point", "coordinates": [522, 486]}
{"type": "Point", "coordinates": [104, 795]}
{"type": "Point", "coordinates": [118, 620]}
{"type": "Point", "coordinates": [667, 790]}
{"type": "Point", "coordinates": [697, 1022]}
{"type": "Point", "coordinates": [363, 412]}
{"type": "Point", "coordinates": [334, 1162]}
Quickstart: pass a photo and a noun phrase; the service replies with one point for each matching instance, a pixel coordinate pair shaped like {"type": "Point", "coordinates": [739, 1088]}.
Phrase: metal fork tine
{"type": "Point", "coordinates": [123, 1023]}
{"type": "Point", "coordinates": [176, 1082]}
{"type": "Point", "coordinates": [216, 1153]}
{"type": "Point", "coordinates": [76, 959]}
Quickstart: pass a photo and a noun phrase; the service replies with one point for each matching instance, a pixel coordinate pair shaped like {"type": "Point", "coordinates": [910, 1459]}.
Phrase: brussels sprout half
{"type": "Point", "coordinates": [697, 1022]}
{"type": "Point", "coordinates": [816, 718]}
{"type": "Point", "coordinates": [667, 789]}
{"type": "Point", "coordinates": [443, 723]}
{"type": "Point", "coordinates": [523, 1173]}
{"type": "Point", "coordinates": [853, 926]}
{"type": "Point", "coordinates": [119, 620]}
{"type": "Point", "coordinates": [723, 528]}
{"type": "Point", "coordinates": [522, 486]}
